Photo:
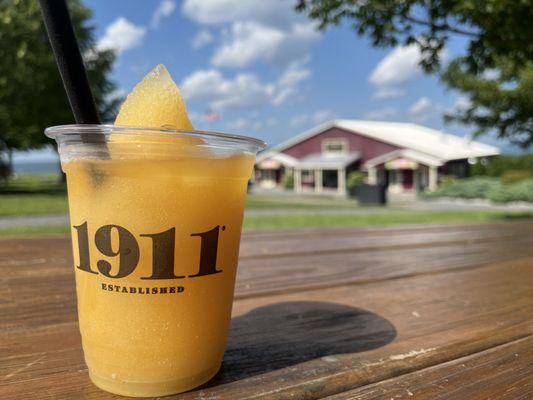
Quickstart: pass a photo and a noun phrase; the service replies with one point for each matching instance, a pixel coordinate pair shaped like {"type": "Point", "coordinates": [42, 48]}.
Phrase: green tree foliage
{"type": "Point", "coordinates": [496, 73]}
{"type": "Point", "coordinates": [499, 165]}
{"type": "Point", "coordinates": [31, 92]}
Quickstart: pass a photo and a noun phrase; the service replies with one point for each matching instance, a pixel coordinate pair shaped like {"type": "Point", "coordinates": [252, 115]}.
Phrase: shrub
{"type": "Point", "coordinates": [515, 176]}
{"type": "Point", "coordinates": [355, 179]}
{"type": "Point", "coordinates": [288, 180]}
{"type": "Point", "coordinates": [447, 180]}
{"type": "Point", "coordinates": [519, 191]}
{"type": "Point", "coordinates": [468, 188]}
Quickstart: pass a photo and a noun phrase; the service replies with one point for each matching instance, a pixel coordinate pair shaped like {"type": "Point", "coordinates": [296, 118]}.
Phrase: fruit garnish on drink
{"type": "Point", "coordinates": [155, 102]}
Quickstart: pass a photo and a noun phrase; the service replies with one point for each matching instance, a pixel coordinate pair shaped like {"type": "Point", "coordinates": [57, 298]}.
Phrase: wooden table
{"type": "Point", "coordinates": [422, 312]}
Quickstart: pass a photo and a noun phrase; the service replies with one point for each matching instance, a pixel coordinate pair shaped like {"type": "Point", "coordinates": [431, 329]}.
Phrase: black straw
{"type": "Point", "coordinates": [69, 61]}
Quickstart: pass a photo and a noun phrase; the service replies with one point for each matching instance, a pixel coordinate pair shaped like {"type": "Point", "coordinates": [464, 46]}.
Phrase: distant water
{"type": "Point", "coordinates": [46, 167]}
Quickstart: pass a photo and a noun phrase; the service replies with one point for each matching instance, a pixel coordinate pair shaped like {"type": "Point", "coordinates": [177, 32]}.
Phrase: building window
{"type": "Point", "coordinates": [268, 175]}
{"type": "Point", "coordinates": [334, 146]}
{"type": "Point", "coordinates": [308, 176]}
{"type": "Point", "coordinates": [395, 177]}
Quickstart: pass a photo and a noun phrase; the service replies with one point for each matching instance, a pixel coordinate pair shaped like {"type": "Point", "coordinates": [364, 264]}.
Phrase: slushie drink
{"type": "Point", "coordinates": [156, 217]}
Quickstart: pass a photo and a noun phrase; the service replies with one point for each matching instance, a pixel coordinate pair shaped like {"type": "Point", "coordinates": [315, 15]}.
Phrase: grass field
{"type": "Point", "coordinates": [30, 195]}
{"type": "Point", "coordinates": [329, 220]}
{"type": "Point", "coordinates": [43, 194]}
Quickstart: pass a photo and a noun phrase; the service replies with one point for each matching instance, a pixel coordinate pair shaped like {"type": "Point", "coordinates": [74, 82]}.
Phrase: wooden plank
{"type": "Point", "coordinates": [13, 251]}
{"type": "Point", "coordinates": [309, 345]}
{"type": "Point", "coordinates": [31, 303]}
{"type": "Point", "coordinates": [503, 372]}
{"type": "Point", "coordinates": [330, 240]}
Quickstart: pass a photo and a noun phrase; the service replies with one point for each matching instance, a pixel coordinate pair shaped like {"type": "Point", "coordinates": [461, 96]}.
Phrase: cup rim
{"type": "Point", "coordinates": [54, 132]}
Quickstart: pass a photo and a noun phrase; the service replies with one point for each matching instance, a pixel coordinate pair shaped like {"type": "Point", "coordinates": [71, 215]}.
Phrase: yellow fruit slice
{"type": "Point", "coordinates": [155, 102]}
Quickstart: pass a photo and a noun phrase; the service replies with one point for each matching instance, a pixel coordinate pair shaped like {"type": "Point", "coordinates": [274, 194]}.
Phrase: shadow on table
{"type": "Point", "coordinates": [283, 334]}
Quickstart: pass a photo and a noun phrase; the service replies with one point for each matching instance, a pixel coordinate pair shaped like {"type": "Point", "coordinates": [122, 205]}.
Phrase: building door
{"type": "Point", "coordinates": [330, 179]}
{"type": "Point", "coordinates": [408, 179]}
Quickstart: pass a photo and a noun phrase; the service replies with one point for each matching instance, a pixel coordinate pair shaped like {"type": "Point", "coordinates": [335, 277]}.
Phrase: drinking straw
{"type": "Point", "coordinates": [70, 63]}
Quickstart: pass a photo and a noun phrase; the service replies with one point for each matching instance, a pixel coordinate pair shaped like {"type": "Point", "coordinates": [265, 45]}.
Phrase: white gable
{"type": "Point", "coordinates": [435, 143]}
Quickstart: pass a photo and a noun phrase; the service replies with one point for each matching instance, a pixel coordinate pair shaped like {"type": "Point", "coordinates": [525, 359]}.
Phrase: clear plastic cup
{"type": "Point", "coordinates": [156, 221]}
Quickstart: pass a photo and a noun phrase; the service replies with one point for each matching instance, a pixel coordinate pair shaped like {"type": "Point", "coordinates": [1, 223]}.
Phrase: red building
{"type": "Point", "coordinates": [405, 157]}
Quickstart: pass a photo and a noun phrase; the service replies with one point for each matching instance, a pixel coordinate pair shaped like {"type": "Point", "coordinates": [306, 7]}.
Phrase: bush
{"type": "Point", "coordinates": [447, 181]}
{"type": "Point", "coordinates": [288, 180]}
{"type": "Point", "coordinates": [487, 188]}
{"type": "Point", "coordinates": [355, 179]}
{"type": "Point", "coordinates": [468, 188]}
{"type": "Point", "coordinates": [515, 176]}
{"type": "Point", "coordinates": [519, 191]}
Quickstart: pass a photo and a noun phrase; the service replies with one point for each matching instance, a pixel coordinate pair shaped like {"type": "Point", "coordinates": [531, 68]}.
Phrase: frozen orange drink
{"type": "Point", "coordinates": [156, 212]}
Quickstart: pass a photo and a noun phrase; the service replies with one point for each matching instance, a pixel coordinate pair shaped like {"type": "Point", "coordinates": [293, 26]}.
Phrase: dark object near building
{"type": "Point", "coordinates": [370, 194]}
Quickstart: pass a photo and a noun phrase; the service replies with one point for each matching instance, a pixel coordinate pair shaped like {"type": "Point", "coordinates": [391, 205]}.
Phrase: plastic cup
{"type": "Point", "coordinates": [156, 221]}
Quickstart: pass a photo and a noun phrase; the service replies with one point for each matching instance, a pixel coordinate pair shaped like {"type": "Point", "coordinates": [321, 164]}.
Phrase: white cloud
{"type": "Point", "coordinates": [163, 10]}
{"type": "Point", "coordinates": [421, 105]}
{"type": "Point", "coordinates": [398, 67]}
{"type": "Point", "coordinates": [317, 118]}
{"type": "Point", "coordinates": [381, 114]}
{"type": "Point", "coordinates": [387, 93]}
{"type": "Point", "coordinates": [255, 30]}
{"type": "Point", "coordinates": [245, 90]}
{"type": "Point", "coordinates": [462, 103]}
{"type": "Point", "coordinates": [201, 39]}
{"type": "Point", "coordinates": [121, 35]}
{"type": "Point", "coordinates": [299, 120]}
{"type": "Point", "coordinates": [239, 124]}
{"type": "Point", "coordinates": [211, 12]}
{"type": "Point", "coordinates": [247, 42]}
{"type": "Point", "coordinates": [322, 116]}
{"type": "Point", "coordinates": [287, 85]}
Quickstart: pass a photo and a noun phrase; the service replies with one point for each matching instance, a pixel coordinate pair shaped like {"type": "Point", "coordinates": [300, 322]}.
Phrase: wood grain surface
{"type": "Point", "coordinates": [441, 312]}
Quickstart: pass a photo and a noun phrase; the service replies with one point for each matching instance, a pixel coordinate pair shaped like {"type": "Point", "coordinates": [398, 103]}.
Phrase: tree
{"type": "Point", "coordinates": [31, 92]}
{"type": "Point", "coordinates": [496, 73]}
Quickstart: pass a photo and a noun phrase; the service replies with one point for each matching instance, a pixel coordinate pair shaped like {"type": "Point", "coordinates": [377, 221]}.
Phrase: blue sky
{"type": "Point", "coordinates": [265, 70]}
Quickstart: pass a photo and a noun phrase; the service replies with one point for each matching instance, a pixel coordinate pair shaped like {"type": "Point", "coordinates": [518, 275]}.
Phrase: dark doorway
{"type": "Point", "coordinates": [407, 178]}
{"type": "Point", "coordinates": [330, 179]}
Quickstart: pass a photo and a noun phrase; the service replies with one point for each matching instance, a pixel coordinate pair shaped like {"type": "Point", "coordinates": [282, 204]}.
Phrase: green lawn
{"type": "Point", "coordinates": [331, 220]}
{"type": "Point", "coordinates": [32, 204]}
{"type": "Point", "coordinates": [385, 218]}
{"type": "Point", "coordinates": [43, 194]}
{"type": "Point", "coordinates": [15, 204]}
{"type": "Point", "coordinates": [254, 201]}
{"type": "Point", "coordinates": [32, 195]}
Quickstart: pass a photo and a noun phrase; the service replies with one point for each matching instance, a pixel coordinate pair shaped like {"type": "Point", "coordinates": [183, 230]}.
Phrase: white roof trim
{"type": "Point", "coordinates": [405, 153]}
{"type": "Point", "coordinates": [284, 159]}
{"type": "Point", "coordinates": [419, 138]}
{"type": "Point", "coordinates": [321, 161]}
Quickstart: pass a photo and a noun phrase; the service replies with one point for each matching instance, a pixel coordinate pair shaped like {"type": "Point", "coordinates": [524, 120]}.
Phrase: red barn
{"type": "Point", "coordinates": [405, 157]}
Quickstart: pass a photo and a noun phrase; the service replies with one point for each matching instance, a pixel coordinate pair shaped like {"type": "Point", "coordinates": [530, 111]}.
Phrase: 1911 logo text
{"type": "Point", "coordinates": [127, 253]}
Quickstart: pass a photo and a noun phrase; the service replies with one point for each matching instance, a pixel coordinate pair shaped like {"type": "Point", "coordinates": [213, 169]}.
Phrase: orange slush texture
{"type": "Point", "coordinates": [158, 338]}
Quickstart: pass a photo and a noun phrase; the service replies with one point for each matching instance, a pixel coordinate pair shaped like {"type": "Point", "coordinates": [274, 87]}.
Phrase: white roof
{"type": "Point", "coordinates": [321, 161]}
{"type": "Point", "coordinates": [435, 143]}
{"type": "Point", "coordinates": [282, 158]}
{"type": "Point", "coordinates": [414, 155]}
